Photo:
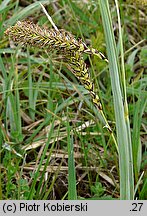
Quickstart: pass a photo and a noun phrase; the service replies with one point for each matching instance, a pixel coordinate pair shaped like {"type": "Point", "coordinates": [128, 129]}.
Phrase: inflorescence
{"type": "Point", "coordinates": [62, 42]}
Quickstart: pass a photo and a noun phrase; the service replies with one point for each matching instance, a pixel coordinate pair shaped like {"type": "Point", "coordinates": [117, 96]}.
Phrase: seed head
{"type": "Point", "coordinates": [78, 67]}
{"type": "Point", "coordinates": [64, 43]}
{"type": "Point", "coordinates": [31, 34]}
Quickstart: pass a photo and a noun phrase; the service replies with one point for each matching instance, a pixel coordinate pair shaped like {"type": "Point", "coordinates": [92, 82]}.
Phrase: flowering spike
{"type": "Point", "coordinates": [64, 43]}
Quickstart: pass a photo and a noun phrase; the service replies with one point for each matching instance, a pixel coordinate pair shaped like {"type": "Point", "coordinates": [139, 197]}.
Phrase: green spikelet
{"type": "Point", "coordinates": [63, 43]}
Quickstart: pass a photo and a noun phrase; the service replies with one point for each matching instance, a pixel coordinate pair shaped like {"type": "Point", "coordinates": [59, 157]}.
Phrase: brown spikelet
{"type": "Point", "coordinates": [29, 33]}
{"type": "Point", "coordinates": [64, 43]}
{"type": "Point", "coordinates": [78, 67]}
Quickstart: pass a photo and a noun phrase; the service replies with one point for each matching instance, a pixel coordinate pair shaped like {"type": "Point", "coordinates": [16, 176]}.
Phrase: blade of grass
{"type": "Point", "coordinates": [72, 193]}
{"type": "Point", "coordinates": [126, 112]}
{"type": "Point", "coordinates": [122, 126]}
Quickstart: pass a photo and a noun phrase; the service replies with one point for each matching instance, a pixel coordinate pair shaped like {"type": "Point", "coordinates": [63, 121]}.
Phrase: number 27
{"type": "Point", "coordinates": [137, 206]}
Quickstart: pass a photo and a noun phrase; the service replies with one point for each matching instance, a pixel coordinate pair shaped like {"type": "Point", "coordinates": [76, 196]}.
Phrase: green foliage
{"type": "Point", "coordinates": [97, 189]}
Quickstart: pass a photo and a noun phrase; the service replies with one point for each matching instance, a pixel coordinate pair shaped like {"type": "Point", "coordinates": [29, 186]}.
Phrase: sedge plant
{"type": "Point", "coordinates": [71, 51]}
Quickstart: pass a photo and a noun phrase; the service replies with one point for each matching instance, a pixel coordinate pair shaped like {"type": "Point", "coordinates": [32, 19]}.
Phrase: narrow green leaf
{"type": "Point", "coordinates": [72, 194]}
{"type": "Point", "coordinates": [122, 127]}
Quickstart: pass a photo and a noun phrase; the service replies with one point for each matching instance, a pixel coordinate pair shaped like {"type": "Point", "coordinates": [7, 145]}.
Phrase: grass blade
{"type": "Point", "coordinates": [72, 194]}
{"type": "Point", "coordinates": [122, 126]}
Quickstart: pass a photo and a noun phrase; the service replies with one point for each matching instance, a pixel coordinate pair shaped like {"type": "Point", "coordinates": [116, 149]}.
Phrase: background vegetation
{"type": "Point", "coordinates": [52, 142]}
